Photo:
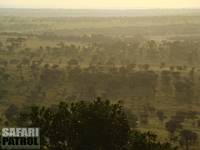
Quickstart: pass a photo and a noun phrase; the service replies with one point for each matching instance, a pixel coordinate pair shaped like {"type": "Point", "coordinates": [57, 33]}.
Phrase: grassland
{"type": "Point", "coordinates": [142, 60]}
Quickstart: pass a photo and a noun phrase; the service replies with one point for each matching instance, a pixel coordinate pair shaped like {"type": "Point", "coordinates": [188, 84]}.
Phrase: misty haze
{"type": "Point", "coordinates": [102, 79]}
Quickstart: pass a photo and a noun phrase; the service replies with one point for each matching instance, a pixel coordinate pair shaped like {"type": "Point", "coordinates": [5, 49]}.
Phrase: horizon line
{"type": "Point", "coordinates": [50, 8]}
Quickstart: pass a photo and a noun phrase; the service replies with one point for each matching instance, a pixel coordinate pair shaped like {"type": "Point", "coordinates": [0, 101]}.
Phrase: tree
{"type": "Point", "coordinates": [187, 138]}
{"type": "Point", "coordinates": [82, 126]}
{"type": "Point", "coordinates": [172, 126]}
{"type": "Point", "coordinates": [132, 118]}
{"type": "Point", "coordinates": [161, 116]}
{"type": "Point", "coordinates": [184, 90]}
{"type": "Point", "coordinates": [11, 113]}
{"type": "Point", "coordinates": [147, 141]}
{"type": "Point", "coordinates": [166, 86]}
{"type": "Point", "coordinates": [1, 45]}
{"type": "Point", "coordinates": [198, 123]}
{"type": "Point", "coordinates": [4, 76]}
{"type": "Point", "coordinates": [97, 125]}
{"type": "Point", "coordinates": [144, 118]}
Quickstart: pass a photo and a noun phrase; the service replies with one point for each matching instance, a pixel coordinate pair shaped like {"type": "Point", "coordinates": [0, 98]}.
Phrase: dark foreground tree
{"type": "Point", "coordinates": [82, 126]}
{"type": "Point", "coordinates": [98, 125]}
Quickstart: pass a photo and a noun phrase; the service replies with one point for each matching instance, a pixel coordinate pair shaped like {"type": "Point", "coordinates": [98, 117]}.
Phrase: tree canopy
{"type": "Point", "coordinates": [96, 125]}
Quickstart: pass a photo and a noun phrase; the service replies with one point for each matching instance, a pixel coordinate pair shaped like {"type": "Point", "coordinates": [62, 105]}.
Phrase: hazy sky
{"type": "Point", "coordinates": [122, 4]}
